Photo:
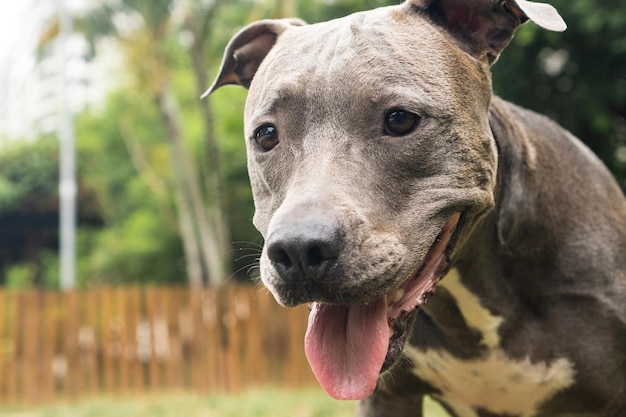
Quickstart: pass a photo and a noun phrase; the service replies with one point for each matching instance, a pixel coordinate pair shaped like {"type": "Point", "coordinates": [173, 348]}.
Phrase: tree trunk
{"type": "Point", "coordinates": [193, 258]}
{"type": "Point", "coordinates": [199, 24]}
{"type": "Point", "coordinates": [187, 182]}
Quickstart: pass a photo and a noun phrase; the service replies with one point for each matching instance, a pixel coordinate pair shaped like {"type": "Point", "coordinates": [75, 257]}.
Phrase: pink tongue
{"type": "Point", "coordinates": [346, 346]}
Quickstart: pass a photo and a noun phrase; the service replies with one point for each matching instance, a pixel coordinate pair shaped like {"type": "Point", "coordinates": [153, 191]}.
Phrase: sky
{"type": "Point", "coordinates": [17, 40]}
{"type": "Point", "coordinates": [12, 13]}
{"type": "Point", "coordinates": [18, 26]}
{"type": "Point", "coordinates": [29, 89]}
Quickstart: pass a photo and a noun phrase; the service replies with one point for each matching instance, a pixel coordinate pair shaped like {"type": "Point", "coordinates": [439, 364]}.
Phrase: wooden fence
{"type": "Point", "coordinates": [129, 340]}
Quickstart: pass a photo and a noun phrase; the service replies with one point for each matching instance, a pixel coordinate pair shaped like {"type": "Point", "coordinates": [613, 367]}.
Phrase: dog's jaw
{"type": "Point", "coordinates": [403, 301]}
{"type": "Point", "coordinates": [348, 346]}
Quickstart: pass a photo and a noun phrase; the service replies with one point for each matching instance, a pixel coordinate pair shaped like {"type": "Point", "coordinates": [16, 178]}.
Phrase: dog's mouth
{"type": "Point", "coordinates": [348, 346]}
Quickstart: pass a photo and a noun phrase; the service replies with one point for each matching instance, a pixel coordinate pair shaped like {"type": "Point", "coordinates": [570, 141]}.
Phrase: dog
{"type": "Point", "coordinates": [450, 244]}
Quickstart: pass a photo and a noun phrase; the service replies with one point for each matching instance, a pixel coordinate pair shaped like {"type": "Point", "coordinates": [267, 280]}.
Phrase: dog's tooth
{"type": "Point", "coordinates": [397, 295]}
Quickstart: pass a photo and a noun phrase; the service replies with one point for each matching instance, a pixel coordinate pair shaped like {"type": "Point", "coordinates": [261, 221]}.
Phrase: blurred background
{"type": "Point", "coordinates": [127, 253]}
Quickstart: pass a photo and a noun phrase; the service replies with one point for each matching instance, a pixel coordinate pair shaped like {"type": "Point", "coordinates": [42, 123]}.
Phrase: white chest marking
{"type": "Point", "coordinates": [493, 382]}
{"type": "Point", "coordinates": [475, 315]}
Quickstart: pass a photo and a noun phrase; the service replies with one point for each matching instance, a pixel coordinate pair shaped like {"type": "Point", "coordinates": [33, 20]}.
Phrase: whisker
{"type": "Point", "coordinates": [244, 243]}
{"type": "Point", "coordinates": [258, 285]}
{"type": "Point", "coordinates": [247, 256]}
{"type": "Point", "coordinates": [247, 250]}
{"type": "Point", "coordinates": [254, 275]}
{"type": "Point", "coordinates": [238, 270]}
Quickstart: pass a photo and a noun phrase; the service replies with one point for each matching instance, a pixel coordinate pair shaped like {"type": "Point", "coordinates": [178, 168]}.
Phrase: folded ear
{"type": "Point", "coordinates": [247, 49]}
{"type": "Point", "coordinates": [542, 14]}
{"type": "Point", "coordinates": [484, 27]}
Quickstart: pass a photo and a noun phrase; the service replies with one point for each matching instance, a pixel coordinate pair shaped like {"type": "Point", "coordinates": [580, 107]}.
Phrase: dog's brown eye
{"type": "Point", "coordinates": [266, 137]}
{"type": "Point", "coordinates": [400, 122]}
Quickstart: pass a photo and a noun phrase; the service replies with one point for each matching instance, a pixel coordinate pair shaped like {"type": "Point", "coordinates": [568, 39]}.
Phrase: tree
{"type": "Point", "coordinates": [29, 202]}
{"type": "Point", "coordinates": [163, 164]}
{"type": "Point", "coordinates": [149, 51]}
{"type": "Point", "coordinates": [577, 77]}
{"type": "Point", "coordinates": [139, 242]}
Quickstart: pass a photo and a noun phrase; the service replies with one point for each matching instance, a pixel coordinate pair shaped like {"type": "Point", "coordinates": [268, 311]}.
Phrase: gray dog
{"type": "Point", "coordinates": [384, 170]}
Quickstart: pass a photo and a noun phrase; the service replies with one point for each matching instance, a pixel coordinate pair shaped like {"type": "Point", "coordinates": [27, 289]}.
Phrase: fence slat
{"type": "Point", "coordinates": [174, 363]}
{"type": "Point", "coordinates": [109, 343]}
{"type": "Point", "coordinates": [151, 319]}
{"type": "Point", "coordinates": [30, 337]}
{"type": "Point", "coordinates": [64, 345]}
{"type": "Point", "coordinates": [71, 345]}
{"type": "Point", "coordinates": [48, 336]}
{"type": "Point", "coordinates": [15, 387]}
{"type": "Point", "coordinates": [4, 357]}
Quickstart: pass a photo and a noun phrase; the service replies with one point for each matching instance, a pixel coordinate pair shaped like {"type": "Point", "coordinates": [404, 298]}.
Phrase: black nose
{"type": "Point", "coordinates": [304, 248]}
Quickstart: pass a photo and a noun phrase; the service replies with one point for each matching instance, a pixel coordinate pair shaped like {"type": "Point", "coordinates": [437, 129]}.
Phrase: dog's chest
{"type": "Point", "coordinates": [492, 382]}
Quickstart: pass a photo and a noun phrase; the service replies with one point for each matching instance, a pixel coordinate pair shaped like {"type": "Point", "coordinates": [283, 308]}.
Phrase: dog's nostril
{"type": "Point", "coordinates": [315, 256]}
{"type": "Point", "coordinates": [280, 256]}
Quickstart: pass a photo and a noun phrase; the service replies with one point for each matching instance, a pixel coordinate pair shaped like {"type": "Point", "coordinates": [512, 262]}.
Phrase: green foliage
{"type": "Point", "coordinates": [22, 275]}
{"type": "Point", "coordinates": [228, 104]}
{"type": "Point", "coordinates": [134, 249]}
{"type": "Point", "coordinates": [9, 193]}
{"type": "Point", "coordinates": [28, 209]}
{"type": "Point", "coordinates": [578, 77]}
{"type": "Point", "coordinates": [139, 242]}
{"type": "Point", "coordinates": [104, 157]}
{"type": "Point", "coordinates": [26, 170]}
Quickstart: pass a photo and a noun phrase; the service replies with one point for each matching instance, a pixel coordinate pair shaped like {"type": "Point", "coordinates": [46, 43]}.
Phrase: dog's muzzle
{"type": "Point", "coordinates": [361, 295]}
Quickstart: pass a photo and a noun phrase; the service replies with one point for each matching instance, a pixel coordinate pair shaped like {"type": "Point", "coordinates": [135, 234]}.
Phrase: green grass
{"type": "Point", "coordinates": [267, 403]}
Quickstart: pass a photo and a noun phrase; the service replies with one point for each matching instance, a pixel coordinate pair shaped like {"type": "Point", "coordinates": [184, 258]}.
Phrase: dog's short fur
{"type": "Point", "coordinates": [380, 163]}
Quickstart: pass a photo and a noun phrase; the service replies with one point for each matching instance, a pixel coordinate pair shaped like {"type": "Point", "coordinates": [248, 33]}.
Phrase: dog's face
{"type": "Point", "coordinates": [342, 125]}
{"type": "Point", "coordinates": [371, 158]}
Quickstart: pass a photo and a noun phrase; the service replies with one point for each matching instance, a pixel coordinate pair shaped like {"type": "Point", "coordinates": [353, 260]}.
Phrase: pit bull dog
{"type": "Point", "coordinates": [451, 244]}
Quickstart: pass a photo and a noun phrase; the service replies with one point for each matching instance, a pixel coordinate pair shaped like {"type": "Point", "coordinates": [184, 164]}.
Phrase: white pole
{"type": "Point", "coordinates": [67, 168]}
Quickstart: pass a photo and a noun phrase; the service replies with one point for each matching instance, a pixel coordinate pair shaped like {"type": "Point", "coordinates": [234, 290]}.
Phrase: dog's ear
{"type": "Point", "coordinates": [247, 49]}
{"type": "Point", "coordinates": [484, 27]}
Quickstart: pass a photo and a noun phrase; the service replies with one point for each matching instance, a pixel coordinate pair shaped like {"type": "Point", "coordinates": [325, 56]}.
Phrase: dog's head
{"type": "Point", "coordinates": [371, 159]}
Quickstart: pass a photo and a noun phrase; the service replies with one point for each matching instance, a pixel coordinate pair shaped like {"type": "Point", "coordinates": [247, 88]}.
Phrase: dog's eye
{"type": "Point", "coordinates": [266, 137]}
{"type": "Point", "coordinates": [399, 122]}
